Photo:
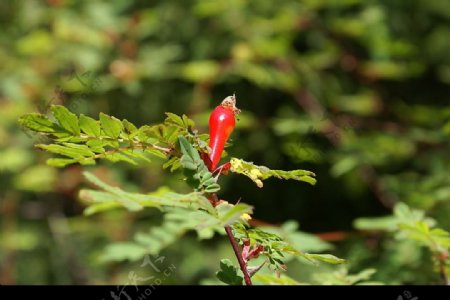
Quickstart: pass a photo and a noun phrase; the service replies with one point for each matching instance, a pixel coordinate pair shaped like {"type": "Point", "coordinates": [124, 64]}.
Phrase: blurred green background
{"type": "Point", "coordinates": [356, 91]}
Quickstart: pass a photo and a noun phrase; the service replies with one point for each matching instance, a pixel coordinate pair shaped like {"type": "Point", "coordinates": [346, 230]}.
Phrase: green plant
{"type": "Point", "coordinates": [83, 140]}
{"type": "Point", "coordinates": [412, 225]}
{"type": "Point", "coordinates": [338, 87]}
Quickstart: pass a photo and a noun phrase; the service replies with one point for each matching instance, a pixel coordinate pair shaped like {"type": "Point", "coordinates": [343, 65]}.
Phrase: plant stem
{"type": "Point", "coordinates": [214, 199]}
{"type": "Point", "coordinates": [443, 271]}
{"type": "Point", "coordinates": [238, 254]}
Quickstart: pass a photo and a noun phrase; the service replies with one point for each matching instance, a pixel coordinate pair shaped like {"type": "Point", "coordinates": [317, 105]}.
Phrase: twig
{"type": "Point", "coordinates": [443, 271]}
{"type": "Point", "coordinates": [238, 254]}
{"type": "Point", "coordinates": [441, 257]}
{"type": "Point", "coordinates": [214, 199]}
{"type": "Point", "coordinates": [371, 178]}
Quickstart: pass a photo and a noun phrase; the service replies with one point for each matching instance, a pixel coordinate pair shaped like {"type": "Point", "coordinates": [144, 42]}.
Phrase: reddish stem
{"type": "Point", "coordinates": [238, 254]}
{"type": "Point", "coordinates": [243, 266]}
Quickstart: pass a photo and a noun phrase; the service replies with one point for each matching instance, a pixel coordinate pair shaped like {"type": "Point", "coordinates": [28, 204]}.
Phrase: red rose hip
{"type": "Point", "coordinates": [221, 124]}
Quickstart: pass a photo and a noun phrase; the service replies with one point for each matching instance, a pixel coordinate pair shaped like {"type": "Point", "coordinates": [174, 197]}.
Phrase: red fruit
{"type": "Point", "coordinates": [221, 125]}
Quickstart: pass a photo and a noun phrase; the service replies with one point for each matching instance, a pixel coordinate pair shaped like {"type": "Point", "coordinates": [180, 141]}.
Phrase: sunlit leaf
{"type": "Point", "coordinates": [89, 126]}
{"type": "Point", "coordinates": [38, 122]}
{"type": "Point", "coordinates": [229, 273]}
{"type": "Point", "coordinates": [259, 173]}
{"type": "Point", "coordinates": [66, 119]}
{"type": "Point", "coordinates": [111, 126]}
{"type": "Point", "coordinates": [328, 258]}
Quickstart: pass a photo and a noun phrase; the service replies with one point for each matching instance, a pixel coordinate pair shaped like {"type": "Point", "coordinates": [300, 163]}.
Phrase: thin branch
{"type": "Point", "coordinates": [238, 254]}
{"type": "Point", "coordinates": [306, 100]}
{"type": "Point", "coordinates": [441, 258]}
{"type": "Point", "coordinates": [443, 271]}
{"type": "Point", "coordinates": [214, 199]}
{"type": "Point", "coordinates": [375, 185]}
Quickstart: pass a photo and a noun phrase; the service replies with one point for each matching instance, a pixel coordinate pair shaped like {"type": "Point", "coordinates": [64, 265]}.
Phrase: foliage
{"type": "Point", "coordinates": [356, 91]}
{"type": "Point", "coordinates": [229, 273]}
{"type": "Point", "coordinates": [193, 211]}
{"type": "Point", "coordinates": [195, 169]}
{"type": "Point", "coordinates": [84, 140]}
{"type": "Point", "coordinates": [341, 277]}
{"type": "Point", "coordinates": [275, 248]}
{"type": "Point", "coordinates": [412, 225]}
{"type": "Point", "coordinates": [259, 173]}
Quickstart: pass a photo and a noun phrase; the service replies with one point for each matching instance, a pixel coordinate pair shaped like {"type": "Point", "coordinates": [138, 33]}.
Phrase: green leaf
{"type": "Point", "coordinates": [276, 248]}
{"type": "Point", "coordinates": [99, 207]}
{"type": "Point", "coordinates": [381, 223]}
{"type": "Point", "coordinates": [173, 163]}
{"type": "Point", "coordinates": [229, 213]}
{"type": "Point", "coordinates": [119, 195]}
{"type": "Point", "coordinates": [344, 166]}
{"type": "Point", "coordinates": [97, 145]}
{"type": "Point", "coordinates": [175, 119]}
{"type": "Point", "coordinates": [69, 150]}
{"type": "Point", "coordinates": [268, 279]}
{"type": "Point", "coordinates": [60, 162]}
{"type": "Point", "coordinates": [135, 201]}
{"type": "Point", "coordinates": [407, 215]}
{"type": "Point", "coordinates": [157, 153]}
{"type": "Point", "coordinates": [212, 188]}
{"type": "Point", "coordinates": [190, 159]}
{"type": "Point", "coordinates": [177, 222]}
{"type": "Point", "coordinates": [198, 175]}
{"type": "Point", "coordinates": [273, 245]}
{"type": "Point", "coordinates": [123, 251]}
{"type": "Point", "coordinates": [66, 119]}
{"type": "Point", "coordinates": [151, 134]}
{"type": "Point", "coordinates": [363, 275]}
{"type": "Point", "coordinates": [413, 224]}
{"type": "Point", "coordinates": [89, 126]}
{"type": "Point", "coordinates": [111, 126]}
{"type": "Point", "coordinates": [117, 156]}
{"type": "Point", "coordinates": [182, 122]}
{"type": "Point", "coordinates": [188, 123]}
{"type": "Point", "coordinates": [170, 134]}
{"type": "Point", "coordinates": [38, 122]}
{"type": "Point", "coordinates": [229, 273]}
{"type": "Point", "coordinates": [328, 258]}
{"type": "Point", "coordinates": [301, 241]}
{"type": "Point", "coordinates": [341, 277]}
{"type": "Point", "coordinates": [259, 173]}
{"type": "Point", "coordinates": [137, 154]}
{"type": "Point", "coordinates": [130, 129]}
